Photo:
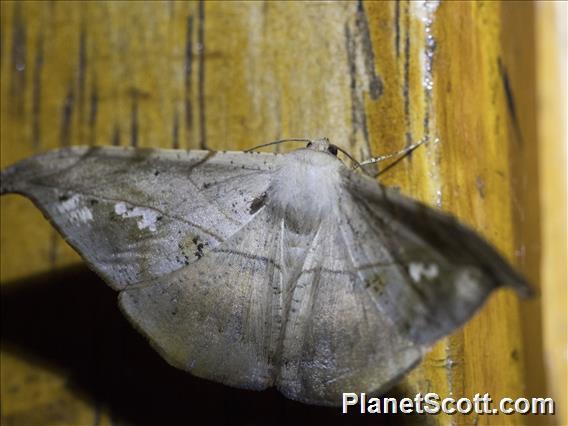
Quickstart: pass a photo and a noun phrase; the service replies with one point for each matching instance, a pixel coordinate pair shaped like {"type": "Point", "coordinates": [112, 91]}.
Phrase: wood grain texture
{"type": "Point", "coordinates": [224, 75]}
{"type": "Point", "coordinates": [552, 73]}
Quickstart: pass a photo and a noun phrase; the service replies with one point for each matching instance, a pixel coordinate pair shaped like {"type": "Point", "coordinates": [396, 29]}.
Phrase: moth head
{"type": "Point", "coordinates": [322, 145]}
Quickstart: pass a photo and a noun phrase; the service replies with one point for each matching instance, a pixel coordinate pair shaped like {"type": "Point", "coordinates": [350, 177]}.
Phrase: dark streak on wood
{"type": "Point", "coordinates": [358, 117]}
{"type": "Point", "coordinates": [171, 9]}
{"type": "Point", "coordinates": [93, 110]}
{"type": "Point", "coordinates": [175, 132]}
{"type": "Point", "coordinates": [81, 70]}
{"type": "Point", "coordinates": [115, 136]}
{"type": "Point", "coordinates": [352, 83]}
{"type": "Point", "coordinates": [362, 24]}
{"type": "Point", "coordinates": [36, 94]}
{"type": "Point", "coordinates": [66, 116]}
{"type": "Point", "coordinates": [511, 105]}
{"type": "Point", "coordinates": [426, 122]}
{"type": "Point", "coordinates": [406, 78]}
{"type": "Point", "coordinates": [134, 120]}
{"type": "Point", "coordinates": [480, 185]}
{"type": "Point", "coordinates": [18, 81]}
{"type": "Point", "coordinates": [201, 74]}
{"type": "Point", "coordinates": [397, 27]}
{"type": "Point", "coordinates": [2, 49]}
{"type": "Point", "coordinates": [188, 71]}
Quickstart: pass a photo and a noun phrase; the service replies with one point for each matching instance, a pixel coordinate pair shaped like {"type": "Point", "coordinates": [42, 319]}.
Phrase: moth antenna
{"type": "Point", "coordinates": [276, 142]}
{"type": "Point", "coordinates": [405, 151]}
{"type": "Point", "coordinates": [355, 162]}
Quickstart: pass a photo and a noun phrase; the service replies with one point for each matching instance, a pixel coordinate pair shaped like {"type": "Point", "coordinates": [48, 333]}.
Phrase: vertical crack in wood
{"type": "Point", "coordinates": [18, 80]}
{"type": "Point", "coordinates": [175, 131]}
{"type": "Point", "coordinates": [349, 46]}
{"type": "Point", "coordinates": [360, 54]}
{"type": "Point", "coordinates": [188, 72]}
{"type": "Point", "coordinates": [201, 74]}
{"type": "Point", "coordinates": [397, 28]}
{"type": "Point", "coordinates": [93, 111]}
{"type": "Point", "coordinates": [81, 71]}
{"type": "Point", "coordinates": [134, 120]}
{"type": "Point", "coordinates": [115, 139]}
{"type": "Point", "coordinates": [406, 77]}
{"type": "Point", "coordinates": [510, 99]}
{"type": "Point", "coordinates": [375, 85]}
{"type": "Point", "coordinates": [2, 48]}
{"type": "Point", "coordinates": [66, 116]}
{"type": "Point", "coordinates": [36, 94]}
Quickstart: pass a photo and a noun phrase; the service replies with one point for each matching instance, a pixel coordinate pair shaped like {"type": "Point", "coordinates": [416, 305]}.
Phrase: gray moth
{"type": "Point", "coordinates": [261, 269]}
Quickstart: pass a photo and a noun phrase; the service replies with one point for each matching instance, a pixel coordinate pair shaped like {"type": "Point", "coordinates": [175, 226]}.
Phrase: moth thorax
{"type": "Point", "coordinates": [305, 190]}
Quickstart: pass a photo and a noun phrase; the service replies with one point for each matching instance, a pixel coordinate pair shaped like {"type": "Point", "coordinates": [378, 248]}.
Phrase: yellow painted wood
{"type": "Point", "coordinates": [230, 75]}
{"type": "Point", "coordinates": [552, 56]}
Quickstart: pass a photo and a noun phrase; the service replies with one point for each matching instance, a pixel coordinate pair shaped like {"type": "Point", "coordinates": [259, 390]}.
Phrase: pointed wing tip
{"type": "Point", "coordinates": [505, 274]}
{"type": "Point", "coordinates": [8, 180]}
{"type": "Point", "coordinates": [521, 286]}
{"type": "Point", "coordinates": [15, 177]}
{"type": "Point", "coordinates": [525, 290]}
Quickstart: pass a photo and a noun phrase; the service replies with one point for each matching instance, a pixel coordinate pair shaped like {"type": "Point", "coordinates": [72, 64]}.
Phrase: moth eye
{"type": "Point", "coordinates": [332, 149]}
{"type": "Point", "coordinates": [308, 145]}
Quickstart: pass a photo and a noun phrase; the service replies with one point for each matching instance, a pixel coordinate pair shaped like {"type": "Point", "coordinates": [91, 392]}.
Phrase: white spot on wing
{"type": "Point", "coordinates": [83, 215]}
{"type": "Point", "coordinates": [74, 210]}
{"type": "Point", "coordinates": [417, 270]}
{"type": "Point", "coordinates": [147, 217]}
{"type": "Point", "coordinates": [120, 208]}
{"type": "Point", "coordinates": [69, 204]}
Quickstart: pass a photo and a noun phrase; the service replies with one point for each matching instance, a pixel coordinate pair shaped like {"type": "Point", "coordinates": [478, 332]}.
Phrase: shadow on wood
{"type": "Point", "coordinates": [69, 322]}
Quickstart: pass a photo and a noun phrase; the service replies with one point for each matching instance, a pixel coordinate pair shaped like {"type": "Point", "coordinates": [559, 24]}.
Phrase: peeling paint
{"type": "Point", "coordinates": [425, 12]}
{"type": "Point", "coordinates": [428, 56]}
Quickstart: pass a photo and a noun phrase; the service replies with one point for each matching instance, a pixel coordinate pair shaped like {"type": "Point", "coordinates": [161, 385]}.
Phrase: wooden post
{"type": "Point", "coordinates": [374, 77]}
{"type": "Point", "coordinates": [551, 60]}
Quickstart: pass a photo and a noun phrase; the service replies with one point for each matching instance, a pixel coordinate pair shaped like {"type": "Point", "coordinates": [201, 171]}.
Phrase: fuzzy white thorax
{"type": "Point", "coordinates": [306, 186]}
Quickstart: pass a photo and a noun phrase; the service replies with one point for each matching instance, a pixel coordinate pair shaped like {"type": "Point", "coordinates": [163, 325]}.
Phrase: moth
{"type": "Point", "coordinates": [258, 269]}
